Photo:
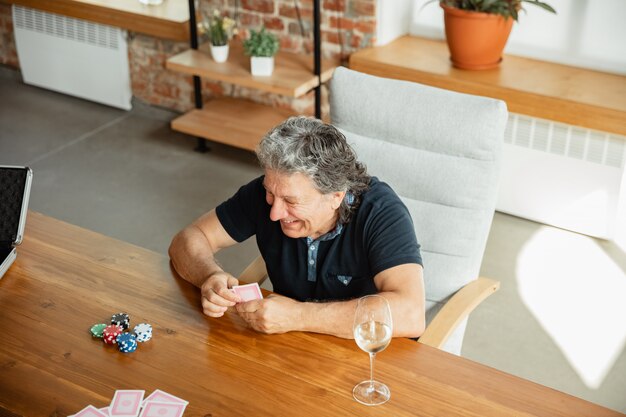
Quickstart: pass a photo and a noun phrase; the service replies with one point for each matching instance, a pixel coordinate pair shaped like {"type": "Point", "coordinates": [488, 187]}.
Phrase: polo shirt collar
{"type": "Point", "coordinates": [349, 198]}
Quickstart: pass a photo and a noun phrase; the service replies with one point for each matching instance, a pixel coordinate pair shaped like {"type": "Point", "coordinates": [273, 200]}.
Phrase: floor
{"type": "Point", "coordinates": [127, 175]}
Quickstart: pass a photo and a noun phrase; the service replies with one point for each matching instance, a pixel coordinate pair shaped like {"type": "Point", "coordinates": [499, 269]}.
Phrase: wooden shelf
{"type": "Point", "coordinates": [234, 122]}
{"type": "Point", "coordinates": [293, 73]}
{"type": "Point", "coordinates": [576, 96]}
{"type": "Point", "coordinates": [169, 20]}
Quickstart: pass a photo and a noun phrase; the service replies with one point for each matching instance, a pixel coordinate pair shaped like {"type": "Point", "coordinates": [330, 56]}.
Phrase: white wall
{"type": "Point", "coordinates": [583, 33]}
{"type": "Point", "coordinates": [393, 19]}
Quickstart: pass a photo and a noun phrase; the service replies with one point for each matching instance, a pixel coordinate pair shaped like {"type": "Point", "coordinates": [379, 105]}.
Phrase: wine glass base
{"type": "Point", "coordinates": [371, 393]}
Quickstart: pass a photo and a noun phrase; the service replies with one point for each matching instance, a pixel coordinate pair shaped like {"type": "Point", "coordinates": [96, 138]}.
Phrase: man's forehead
{"type": "Point", "coordinates": [293, 184]}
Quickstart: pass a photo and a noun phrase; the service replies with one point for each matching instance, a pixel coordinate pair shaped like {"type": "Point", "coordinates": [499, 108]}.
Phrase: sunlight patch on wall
{"type": "Point", "coordinates": [576, 292]}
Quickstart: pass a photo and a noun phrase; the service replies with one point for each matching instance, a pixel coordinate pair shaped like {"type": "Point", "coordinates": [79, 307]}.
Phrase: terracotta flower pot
{"type": "Point", "coordinates": [476, 40]}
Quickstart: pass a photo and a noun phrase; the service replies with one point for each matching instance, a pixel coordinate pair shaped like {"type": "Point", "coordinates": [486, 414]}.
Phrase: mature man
{"type": "Point", "coordinates": [328, 232]}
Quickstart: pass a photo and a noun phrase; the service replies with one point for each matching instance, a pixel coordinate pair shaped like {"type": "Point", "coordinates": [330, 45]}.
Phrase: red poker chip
{"type": "Point", "coordinates": [110, 333]}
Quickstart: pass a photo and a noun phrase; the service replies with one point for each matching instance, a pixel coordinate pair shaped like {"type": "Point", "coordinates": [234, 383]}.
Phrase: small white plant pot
{"type": "Point", "coordinates": [219, 53]}
{"type": "Point", "coordinates": [261, 66]}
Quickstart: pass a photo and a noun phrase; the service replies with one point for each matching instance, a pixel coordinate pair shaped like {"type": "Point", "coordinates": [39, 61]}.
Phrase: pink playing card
{"type": "Point", "coordinates": [90, 411]}
{"type": "Point", "coordinates": [162, 409]}
{"type": "Point", "coordinates": [105, 410]}
{"type": "Point", "coordinates": [248, 292]}
{"type": "Point", "coordinates": [126, 403]}
{"type": "Point", "coordinates": [164, 397]}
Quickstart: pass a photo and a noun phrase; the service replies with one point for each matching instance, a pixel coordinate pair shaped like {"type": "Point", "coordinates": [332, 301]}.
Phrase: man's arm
{"type": "Point", "coordinates": [402, 286]}
{"type": "Point", "coordinates": [192, 254]}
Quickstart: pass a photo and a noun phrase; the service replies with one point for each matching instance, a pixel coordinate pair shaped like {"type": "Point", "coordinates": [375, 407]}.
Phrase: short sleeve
{"type": "Point", "coordinates": [239, 214]}
{"type": "Point", "coordinates": [390, 237]}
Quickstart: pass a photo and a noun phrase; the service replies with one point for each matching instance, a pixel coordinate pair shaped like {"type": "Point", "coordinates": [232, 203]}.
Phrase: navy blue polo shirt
{"type": "Point", "coordinates": [337, 266]}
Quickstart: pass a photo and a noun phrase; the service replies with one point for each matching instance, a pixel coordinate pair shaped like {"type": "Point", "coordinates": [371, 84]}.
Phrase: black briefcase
{"type": "Point", "coordinates": [14, 192]}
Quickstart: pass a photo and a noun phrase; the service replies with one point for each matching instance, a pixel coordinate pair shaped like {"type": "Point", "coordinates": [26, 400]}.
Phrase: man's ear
{"type": "Point", "coordinates": [336, 199]}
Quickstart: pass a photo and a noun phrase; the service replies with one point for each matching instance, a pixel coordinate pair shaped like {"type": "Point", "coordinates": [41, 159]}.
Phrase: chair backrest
{"type": "Point", "coordinates": [440, 151]}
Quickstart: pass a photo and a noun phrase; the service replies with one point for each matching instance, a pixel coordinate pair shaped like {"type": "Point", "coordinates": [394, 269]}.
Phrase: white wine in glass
{"type": "Point", "coordinates": [372, 332]}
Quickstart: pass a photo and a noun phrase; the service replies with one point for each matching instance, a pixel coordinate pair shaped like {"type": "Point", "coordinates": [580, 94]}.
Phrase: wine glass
{"type": "Point", "coordinates": [372, 332]}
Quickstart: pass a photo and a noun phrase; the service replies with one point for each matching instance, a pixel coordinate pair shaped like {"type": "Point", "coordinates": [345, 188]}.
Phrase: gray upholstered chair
{"type": "Point", "coordinates": [440, 151]}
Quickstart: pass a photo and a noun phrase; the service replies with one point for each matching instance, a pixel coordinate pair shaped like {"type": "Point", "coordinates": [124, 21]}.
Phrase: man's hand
{"type": "Point", "coordinates": [274, 314]}
{"type": "Point", "coordinates": [216, 295]}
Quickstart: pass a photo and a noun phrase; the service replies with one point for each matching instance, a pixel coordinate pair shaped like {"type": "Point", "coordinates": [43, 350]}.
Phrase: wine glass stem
{"type": "Point", "coordinates": [372, 357]}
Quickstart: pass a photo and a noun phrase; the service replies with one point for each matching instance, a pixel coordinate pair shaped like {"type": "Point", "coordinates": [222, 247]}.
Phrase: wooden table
{"type": "Point", "coordinates": [66, 278]}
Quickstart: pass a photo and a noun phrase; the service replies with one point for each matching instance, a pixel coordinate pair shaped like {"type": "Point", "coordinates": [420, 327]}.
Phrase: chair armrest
{"type": "Point", "coordinates": [255, 272]}
{"type": "Point", "coordinates": [456, 310]}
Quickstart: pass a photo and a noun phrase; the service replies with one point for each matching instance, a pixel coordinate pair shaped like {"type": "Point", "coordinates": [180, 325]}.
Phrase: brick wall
{"type": "Point", "coordinates": [346, 26]}
{"type": "Point", "coordinates": [8, 53]}
{"type": "Point", "coordinates": [150, 81]}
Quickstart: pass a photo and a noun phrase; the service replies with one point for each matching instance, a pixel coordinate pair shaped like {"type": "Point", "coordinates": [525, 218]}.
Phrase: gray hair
{"type": "Point", "coordinates": [320, 151]}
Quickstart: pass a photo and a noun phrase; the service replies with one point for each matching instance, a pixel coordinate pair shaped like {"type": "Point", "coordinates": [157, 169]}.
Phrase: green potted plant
{"type": "Point", "coordinates": [261, 47]}
{"type": "Point", "coordinates": [477, 30]}
{"type": "Point", "coordinates": [220, 30]}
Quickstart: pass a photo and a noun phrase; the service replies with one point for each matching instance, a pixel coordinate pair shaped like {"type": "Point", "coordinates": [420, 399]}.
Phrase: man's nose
{"type": "Point", "coordinates": [278, 212]}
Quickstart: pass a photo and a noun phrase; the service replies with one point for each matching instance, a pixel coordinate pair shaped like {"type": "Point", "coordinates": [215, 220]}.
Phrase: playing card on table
{"type": "Point", "coordinates": [164, 397]}
{"type": "Point", "coordinates": [162, 409]}
{"type": "Point", "coordinates": [105, 410]}
{"type": "Point", "coordinates": [90, 411]}
{"type": "Point", "coordinates": [126, 403]}
{"type": "Point", "coordinates": [248, 292]}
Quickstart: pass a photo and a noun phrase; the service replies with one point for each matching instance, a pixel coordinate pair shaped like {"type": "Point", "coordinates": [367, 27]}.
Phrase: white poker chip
{"type": "Point", "coordinates": [143, 331]}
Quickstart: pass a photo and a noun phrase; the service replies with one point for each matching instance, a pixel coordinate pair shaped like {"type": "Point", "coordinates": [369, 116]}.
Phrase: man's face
{"type": "Point", "coordinates": [301, 209]}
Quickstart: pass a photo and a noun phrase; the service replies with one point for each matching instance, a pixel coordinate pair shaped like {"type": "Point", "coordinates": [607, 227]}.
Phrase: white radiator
{"type": "Point", "coordinates": [563, 175]}
{"type": "Point", "coordinates": [73, 56]}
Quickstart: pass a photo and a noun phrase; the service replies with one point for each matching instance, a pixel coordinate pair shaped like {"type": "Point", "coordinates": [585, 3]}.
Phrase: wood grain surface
{"type": "Point", "coordinates": [292, 76]}
{"type": "Point", "coordinates": [577, 96]}
{"type": "Point", "coordinates": [220, 120]}
{"type": "Point", "coordinates": [66, 279]}
{"type": "Point", "coordinates": [169, 20]}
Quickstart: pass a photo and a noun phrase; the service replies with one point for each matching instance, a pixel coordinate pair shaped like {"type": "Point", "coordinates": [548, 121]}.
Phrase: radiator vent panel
{"type": "Point", "coordinates": [66, 27]}
{"type": "Point", "coordinates": [566, 140]}
{"type": "Point", "coordinates": [563, 175]}
{"type": "Point", "coordinates": [73, 56]}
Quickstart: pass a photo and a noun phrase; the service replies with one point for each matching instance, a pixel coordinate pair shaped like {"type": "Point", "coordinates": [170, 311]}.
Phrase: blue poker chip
{"type": "Point", "coordinates": [127, 342]}
{"type": "Point", "coordinates": [128, 349]}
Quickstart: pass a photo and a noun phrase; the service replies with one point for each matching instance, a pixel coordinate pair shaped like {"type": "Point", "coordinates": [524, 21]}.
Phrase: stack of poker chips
{"type": "Point", "coordinates": [97, 330]}
{"type": "Point", "coordinates": [143, 331]}
{"type": "Point", "coordinates": [111, 333]}
{"type": "Point", "coordinates": [127, 342]}
{"type": "Point", "coordinates": [121, 319]}
{"type": "Point", "coordinates": [115, 333]}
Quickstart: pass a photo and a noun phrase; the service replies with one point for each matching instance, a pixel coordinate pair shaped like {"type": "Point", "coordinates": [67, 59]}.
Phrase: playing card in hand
{"type": "Point", "coordinates": [248, 292]}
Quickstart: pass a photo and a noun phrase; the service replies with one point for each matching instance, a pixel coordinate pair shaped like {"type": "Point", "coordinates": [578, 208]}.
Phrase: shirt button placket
{"type": "Point", "coordinates": [312, 255]}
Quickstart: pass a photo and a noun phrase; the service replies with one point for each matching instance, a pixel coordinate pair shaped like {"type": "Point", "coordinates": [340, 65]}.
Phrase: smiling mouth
{"type": "Point", "coordinates": [288, 221]}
